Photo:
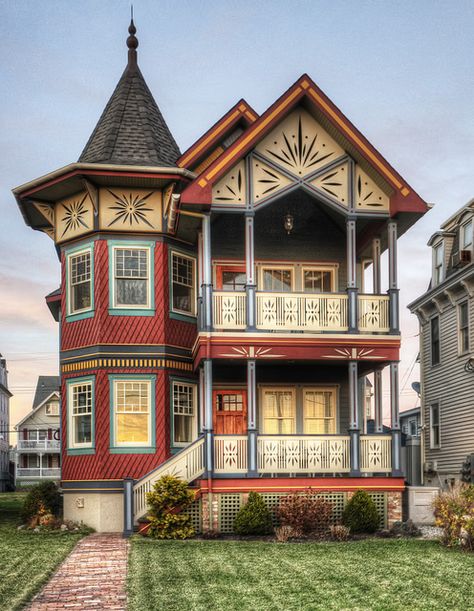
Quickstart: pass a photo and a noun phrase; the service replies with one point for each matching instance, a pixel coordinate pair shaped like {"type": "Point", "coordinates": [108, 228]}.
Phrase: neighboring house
{"type": "Point", "coordinates": [213, 318]}
{"type": "Point", "coordinates": [446, 314]}
{"type": "Point", "coordinates": [38, 451]}
{"type": "Point", "coordinates": [5, 394]}
{"type": "Point", "coordinates": [410, 422]}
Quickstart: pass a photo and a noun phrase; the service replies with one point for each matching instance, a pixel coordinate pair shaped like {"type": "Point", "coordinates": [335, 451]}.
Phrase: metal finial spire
{"type": "Point", "coordinates": [132, 41]}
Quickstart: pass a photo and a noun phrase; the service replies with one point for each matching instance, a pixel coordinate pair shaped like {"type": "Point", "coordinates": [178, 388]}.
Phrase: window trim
{"type": "Point", "coordinates": [69, 253]}
{"type": "Point", "coordinates": [438, 362]}
{"type": "Point", "coordinates": [82, 448]}
{"type": "Point", "coordinates": [131, 310]}
{"type": "Point", "coordinates": [462, 233]}
{"type": "Point", "coordinates": [439, 245]}
{"type": "Point", "coordinates": [176, 446]}
{"type": "Point", "coordinates": [149, 448]}
{"type": "Point", "coordinates": [174, 312]}
{"type": "Point", "coordinates": [432, 445]}
{"type": "Point", "coordinates": [269, 266]}
{"type": "Point", "coordinates": [462, 352]}
{"type": "Point", "coordinates": [320, 268]}
{"type": "Point", "coordinates": [334, 390]}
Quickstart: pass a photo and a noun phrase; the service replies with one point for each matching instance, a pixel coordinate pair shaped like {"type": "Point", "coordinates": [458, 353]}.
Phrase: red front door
{"type": "Point", "coordinates": [230, 412]}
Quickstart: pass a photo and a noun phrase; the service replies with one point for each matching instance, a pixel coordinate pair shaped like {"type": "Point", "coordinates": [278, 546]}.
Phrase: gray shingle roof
{"type": "Point", "coordinates": [131, 130]}
{"type": "Point", "coordinates": [45, 386]}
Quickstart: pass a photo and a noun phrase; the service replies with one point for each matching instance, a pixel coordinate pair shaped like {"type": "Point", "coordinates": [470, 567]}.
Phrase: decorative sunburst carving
{"type": "Point", "coordinates": [368, 194]}
{"type": "Point", "coordinates": [130, 209]}
{"type": "Point", "coordinates": [334, 183]}
{"type": "Point", "coordinates": [74, 216]}
{"type": "Point", "coordinates": [231, 188]}
{"type": "Point", "coordinates": [267, 181]}
{"type": "Point", "coordinates": [46, 210]}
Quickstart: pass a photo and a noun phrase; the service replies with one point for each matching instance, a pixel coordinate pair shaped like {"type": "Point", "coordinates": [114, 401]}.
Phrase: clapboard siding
{"type": "Point", "coordinates": [450, 385]}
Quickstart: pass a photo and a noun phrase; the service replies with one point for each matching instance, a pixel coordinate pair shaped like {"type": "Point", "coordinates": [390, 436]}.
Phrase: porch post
{"type": "Point", "coordinates": [354, 428]}
{"type": "Point", "coordinates": [395, 420]}
{"type": "Point", "coordinates": [376, 266]}
{"type": "Point", "coordinates": [207, 272]}
{"type": "Point", "coordinates": [392, 277]}
{"type": "Point", "coordinates": [252, 418]}
{"type": "Point", "coordinates": [352, 291]}
{"type": "Point", "coordinates": [250, 286]}
{"type": "Point", "coordinates": [378, 401]}
{"type": "Point", "coordinates": [128, 507]}
{"type": "Point", "coordinates": [41, 464]}
{"type": "Point", "coordinates": [208, 428]}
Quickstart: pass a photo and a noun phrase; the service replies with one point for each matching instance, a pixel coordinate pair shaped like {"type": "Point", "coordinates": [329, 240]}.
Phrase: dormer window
{"type": "Point", "coordinates": [438, 263]}
{"type": "Point", "coordinates": [466, 236]}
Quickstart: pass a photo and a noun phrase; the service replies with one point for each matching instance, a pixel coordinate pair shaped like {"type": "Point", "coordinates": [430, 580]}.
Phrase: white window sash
{"type": "Point", "coordinates": [147, 279]}
{"type": "Point", "coordinates": [70, 287]}
{"type": "Point", "coordinates": [116, 413]}
{"type": "Point", "coordinates": [191, 286]}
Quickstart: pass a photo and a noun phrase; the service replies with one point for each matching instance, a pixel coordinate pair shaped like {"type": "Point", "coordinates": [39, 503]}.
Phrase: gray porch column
{"type": "Point", "coordinates": [376, 266]}
{"type": "Point", "coordinates": [378, 411]}
{"type": "Point", "coordinates": [352, 291]}
{"type": "Point", "coordinates": [252, 418]}
{"type": "Point", "coordinates": [208, 426]}
{"type": "Point", "coordinates": [395, 421]}
{"type": "Point", "coordinates": [354, 428]}
{"type": "Point", "coordinates": [250, 285]}
{"type": "Point", "coordinates": [128, 507]}
{"type": "Point", "coordinates": [392, 277]}
{"type": "Point", "coordinates": [207, 273]}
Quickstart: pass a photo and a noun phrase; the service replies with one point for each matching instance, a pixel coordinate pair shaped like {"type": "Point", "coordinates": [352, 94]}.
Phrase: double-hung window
{"type": "Point", "coordinates": [79, 295]}
{"type": "Point", "coordinates": [435, 348]}
{"type": "Point", "coordinates": [183, 289]}
{"type": "Point", "coordinates": [463, 324]}
{"type": "Point", "coordinates": [80, 404]}
{"type": "Point", "coordinates": [435, 433]}
{"type": "Point", "coordinates": [132, 277]}
{"type": "Point", "coordinates": [184, 398]}
{"type": "Point", "coordinates": [318, 280]}
{"type": "Point", "coordinates": [277, 279]}
{"type": "Point", "coordinates": [438, 263]}
{"type": "Point", "coordinates": [132, 413]}
{"type": "Point", "coordinates": [466, 236]}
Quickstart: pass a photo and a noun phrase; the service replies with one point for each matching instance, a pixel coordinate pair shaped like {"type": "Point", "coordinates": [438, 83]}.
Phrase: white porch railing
{"type": "Point", "coordinates": [303, 454]}
{"type": "Point", "coordinates": [374, 313]}
{"type": "Point", "coordinates": [229, 310]}
{"type": "Point", "coordinates": [39, 444]}
{"type": "Point", "coordinates": [230, 453]}
{"type": "Point", "coordinates": [188, 464]}
{"type": "Point", "coordinates": [302, 311]}
{"type": "Point", "coordinates": [375, 453]}
{"type": "Point", "coordinates": [38, 473]}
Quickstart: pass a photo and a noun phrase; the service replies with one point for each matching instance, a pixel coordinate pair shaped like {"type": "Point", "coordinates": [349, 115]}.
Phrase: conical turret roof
{"type": "Point", "coordinates": [131, 130]}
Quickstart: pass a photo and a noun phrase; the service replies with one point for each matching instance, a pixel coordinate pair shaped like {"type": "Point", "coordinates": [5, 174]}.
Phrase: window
{"type": "Point", "coordinates": [318, 280]}
{"type": "Point", "coordinates": [131, 278]}
{"type": "Point", "coordinates": [184, 413]}
{"type": "Point", "coordinates": [231, 278]}
{"type": "Point", "coordinates": [412, 428]}
{"type": "Point", "coordinates": [466, 236]}
{"type": "Point", "coordinates": [52, 409]}
{"type": "Point", "coordinates": [435, 440]}
{"type": "Point", "coordinates": [277, 279]}
{"type": "Point", "coordinates": [183, 284]}
{"type": "Point", "coordinates": [79, 282]}
{"type": "Point", "coordinates": [80, 400]}
{"type": "Point", "coordinates": [435, 352]}
{"type": "Point", "coordinates": [132, 413]}
{"type": "Point", "coordinates": [463, 322]}
{"type": "Point", "coordinates": [319, 411]}
{"type": "Point", "coordinates": [278, 411]}
{"type": "Point", "coordinates": [438, 263]}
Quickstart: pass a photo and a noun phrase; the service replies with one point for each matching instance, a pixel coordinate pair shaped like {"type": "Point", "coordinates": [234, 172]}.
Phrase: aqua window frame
{"type": "Point", "coordinates": [133, 449]}
{"type": "Point", "coordinates": [82, 448]}
{"type": "Point", "coordinates": [174, 312]}
{"type": "Point", "coordinates": [69, 253]}
{"type": "Point", "coordinates": [175, 447]}
{"type": "Point", "coordinates": [130, 310]}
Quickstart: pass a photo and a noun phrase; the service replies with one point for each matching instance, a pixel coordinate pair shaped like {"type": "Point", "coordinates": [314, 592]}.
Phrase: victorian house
{"type": "Point", "coordinates": [446, 315]}
{"type": "Point", "coordinates": [38, 447]}
{"type": "Point", "coordinates": [5, 394]}
{"type": "Point", "coordinates": [217, 316]}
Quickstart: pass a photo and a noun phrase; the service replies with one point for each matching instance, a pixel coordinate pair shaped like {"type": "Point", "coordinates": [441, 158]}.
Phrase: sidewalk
{"type": "Point", "coordinates": [92, 577]}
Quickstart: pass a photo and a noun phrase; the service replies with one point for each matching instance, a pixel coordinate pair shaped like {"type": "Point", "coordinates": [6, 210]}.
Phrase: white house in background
{"type": "Point", "coordinates": [39, 447]}
{"type": "Point", "coordinates": [5, 395]}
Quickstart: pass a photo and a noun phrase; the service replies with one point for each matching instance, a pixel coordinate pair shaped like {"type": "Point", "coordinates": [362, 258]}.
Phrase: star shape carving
{"type": "Point", "coordinates": [74, 216]}
{"type": "Point", "coordinates": [130, 209]}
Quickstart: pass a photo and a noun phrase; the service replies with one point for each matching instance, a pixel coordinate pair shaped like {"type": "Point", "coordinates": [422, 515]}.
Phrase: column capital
{"type": "Point", "coordinates": [249, 213]}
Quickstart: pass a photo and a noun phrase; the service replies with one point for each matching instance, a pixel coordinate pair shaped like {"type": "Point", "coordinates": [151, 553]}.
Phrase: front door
{"type": "Point", "coordinates": [230, 412]}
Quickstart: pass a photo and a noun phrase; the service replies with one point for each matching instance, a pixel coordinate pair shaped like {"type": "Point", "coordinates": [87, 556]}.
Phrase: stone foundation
{"type": "Point", "coordinates": [394, 508]}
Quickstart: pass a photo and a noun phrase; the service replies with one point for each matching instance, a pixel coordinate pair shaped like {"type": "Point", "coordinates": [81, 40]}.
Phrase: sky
{"type": "Point", "coordinates": [401, 71]}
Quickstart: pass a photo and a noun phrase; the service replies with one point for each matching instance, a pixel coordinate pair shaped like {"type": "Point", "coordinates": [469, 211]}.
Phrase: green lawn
{"type": "Point", "coordinates": [27, 559]}
{"type": "Point", "coordinates": [371, 574]}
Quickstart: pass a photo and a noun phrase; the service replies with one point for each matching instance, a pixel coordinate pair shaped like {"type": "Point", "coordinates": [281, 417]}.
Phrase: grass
{"type": "Point", "coordinates": [28, 559]}
{"type": "Point", "coordinates": [369, 574]}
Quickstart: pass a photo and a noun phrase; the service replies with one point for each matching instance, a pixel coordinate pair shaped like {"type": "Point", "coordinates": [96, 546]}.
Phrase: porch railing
{"type": "Point", "coordinates": [303, 454]}
{"type": "Point", "coordinates": [37, 472]}
{"type": "Point", "coordinates": [375, 453]}
{"type": "Point", "coordinates": [229, 310]}
{"type": "Point", "coordinates": [39, 444]}
{"type": "Point", "coordinates": [230, 453]}
{"type": "Point", "coordinates": [374, 313]}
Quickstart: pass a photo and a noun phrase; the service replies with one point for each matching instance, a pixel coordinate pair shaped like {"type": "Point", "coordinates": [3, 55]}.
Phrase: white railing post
{"type": "Point", "coordinates": [208, 415]}
{"type": "Point", "coordinates": [354, 428]}
{"type": "Point", "coordinates": [252, 417]}
{"type": "Point", "coordinates": [392, 277]}
{"type": "Point", "coordinates": [352, 289]}
{"type": "Point", "coordinates": [250, 284]}
{"type": "Point", "coordinates": [378, 401]}
{"type": "Point", "coordinates": [395, 421]}
{"type": "Point", "coordinates": [207, 272]}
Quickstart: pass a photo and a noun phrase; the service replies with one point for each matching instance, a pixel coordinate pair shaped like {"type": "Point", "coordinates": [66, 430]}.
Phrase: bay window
{"type": "Point", "coordinates": [132, 413]}
{"type": "Point", "coordinates": [184, 406]}
{"type": "Point", "coordinates": [131, 278]}
{"type": "Point", "coordinates": [80, 407]}
{"type": "Point", "coordinates": [183, 283]}
{"type": "Point", "coordinates": [79, 281]}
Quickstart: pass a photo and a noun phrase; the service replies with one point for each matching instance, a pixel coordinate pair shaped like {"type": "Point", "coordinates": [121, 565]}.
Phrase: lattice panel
{"type": "Point", "coordinates": [229, 505]}
{"type": "Point", "coordinates": [368, 195]}
{"type": "Point", "coordinates": [271, 501]}
{"type": "Point", "coordinates": [195, 511]}
{"type": "Point", "coordinates": [266, 180]}
{"type": "Point", "coordinates": [337, 499]}
{"type": "Point", "coordinates": [231, 188]}
{"type": "Point", "coordinates": [335, 183]}
{"type": "Point", "coordinates": [380, 500]}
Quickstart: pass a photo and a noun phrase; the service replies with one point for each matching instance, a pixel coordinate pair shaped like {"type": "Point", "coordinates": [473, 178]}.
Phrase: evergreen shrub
{"type": "Point", "coordinates": [360, 514]}
{"type": "Point", "coordinates": [44, 498]}
{"type": "Point", "coordinates": [167, 501]}
{"type": "Point", "coordinates": [254, 518]}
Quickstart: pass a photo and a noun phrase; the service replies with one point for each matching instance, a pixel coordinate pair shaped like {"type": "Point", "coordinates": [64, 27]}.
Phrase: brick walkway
{"type": "Point", "coordinates": [91, 577]}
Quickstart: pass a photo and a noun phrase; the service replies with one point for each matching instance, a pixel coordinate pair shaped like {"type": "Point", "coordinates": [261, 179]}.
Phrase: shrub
{"type": "Point", "coordinates": [305, 513]}
{"type": "Point", "coordinates": [360, 514]}
{"type": "Point", "coordinates": [454, 513]}
{"type": "Point", "coordinates": [339, 532]}
{"type": "Point", "coordinates": [283, 533]}
{"type": "Point", "coordinates": [169, 498]}
{"type": "Point", "coordinates": [254, 518]}
{"type": "Point", "coordinates": [405, 529]}
{"type": "Point", "coordinates": [44, 498]}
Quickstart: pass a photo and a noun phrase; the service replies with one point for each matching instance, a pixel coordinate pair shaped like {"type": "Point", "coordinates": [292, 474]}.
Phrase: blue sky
{"type": "Point", "coordinates": [402, 71]}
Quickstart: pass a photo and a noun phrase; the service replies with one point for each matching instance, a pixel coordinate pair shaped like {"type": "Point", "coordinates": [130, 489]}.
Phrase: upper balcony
{"type": "Point", "coordinates": [39, 445]}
